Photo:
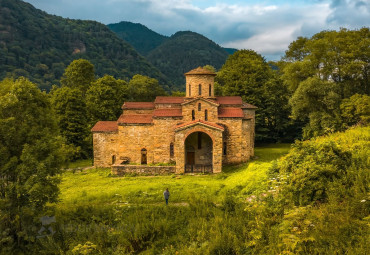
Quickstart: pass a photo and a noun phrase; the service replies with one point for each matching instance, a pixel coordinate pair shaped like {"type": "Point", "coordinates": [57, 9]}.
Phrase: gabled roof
{"type": "Point", "coordinates": [105, 126]}
{"type": "Point", "coordinates": [201, 98]}
{"type": "Point", "coordinates": [230, 113]}
{"type": "Point", "coordinates": [200, 70]}
{"type": "Point", "coordinates": [138, 105]}
{"type": "Point", "coordinates": [135, 119]}
{"type": "Point", "coordinates": [249, 106]}
{"type": "Point", "coordinates": [168, 100]}
{"type": "Point", "coordinates": [166, 112]}
{"type": "Point", "coordinates": [199, 122]}
{"type": "Point", "coordinates": [229, 100]}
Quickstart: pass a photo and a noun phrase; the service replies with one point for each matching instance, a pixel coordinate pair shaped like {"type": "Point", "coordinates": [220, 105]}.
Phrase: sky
{"type": "Point", "coordinates": [266, 26]}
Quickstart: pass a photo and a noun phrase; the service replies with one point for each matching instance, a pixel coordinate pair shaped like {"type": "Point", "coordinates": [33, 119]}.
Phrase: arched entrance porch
{"type": "Point", "coordinates": [198, 153]}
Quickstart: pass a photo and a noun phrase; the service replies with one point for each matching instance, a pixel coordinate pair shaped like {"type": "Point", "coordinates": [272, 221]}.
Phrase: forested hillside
{"type": "Point", "coordinates": [184, 51]}
{"type": "Point", "coordinates": [40, 46]}
{"type": "Point", "coordinates": [139, 36]}
{"type": "Point", "coordinates": [174, 55]}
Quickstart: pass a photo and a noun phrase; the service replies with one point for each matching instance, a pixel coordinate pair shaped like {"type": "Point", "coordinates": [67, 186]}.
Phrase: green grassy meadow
{"type": "Point", "coordinates": [246, 209]}
{"type": "Point", "coordinates": [99, 187]}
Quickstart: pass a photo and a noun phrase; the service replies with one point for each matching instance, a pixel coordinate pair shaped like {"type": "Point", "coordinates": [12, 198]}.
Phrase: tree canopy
{"type": "Point", "coordinates": [323, 70]}
{"type": "Point", "coordinates": [31, 154]}
{"type": "Point", "coordinates": [247, 74]}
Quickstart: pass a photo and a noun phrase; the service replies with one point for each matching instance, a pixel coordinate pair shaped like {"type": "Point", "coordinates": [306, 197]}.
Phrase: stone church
{"type": "Point", "coordinates": [196, 133]}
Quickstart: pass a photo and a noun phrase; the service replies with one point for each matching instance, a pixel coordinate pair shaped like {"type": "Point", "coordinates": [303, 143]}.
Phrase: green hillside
{"type": "Point", "coordinates": [39, 46]}
{"type": "Point", "coordinates": [184, 51]}
{"type": "Point", "coordinates": [139, 36]}
{"type": "Point", "coordinates": [313, 200]}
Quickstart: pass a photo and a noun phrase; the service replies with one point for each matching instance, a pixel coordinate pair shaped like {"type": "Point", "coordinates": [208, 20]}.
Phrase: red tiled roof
{"type": "Point", "coordinates": [230, 113]}
{"type": "Point", "coordinates": [138, 105]}
{"type": "Point", "coordinates": [194, 122]}
{"type": "Point", "coordinates": [167, 112]}
{"type": "Point", "coordinates": [249, 106]}
{"type": "Point", "coordinates": [168, 100]}
{"type": "Point", "coordinates": [105, 126]}
{"type": "Point", "coordinates": [229, 100]}
{"type": "Point", "coordinates": [200, 70]}
{"type": "Point", "coordinates": [135, 119]}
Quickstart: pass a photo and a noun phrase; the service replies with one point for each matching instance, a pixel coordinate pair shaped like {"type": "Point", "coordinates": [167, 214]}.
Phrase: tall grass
{"type": "Point", "coordinates": [228, 213]}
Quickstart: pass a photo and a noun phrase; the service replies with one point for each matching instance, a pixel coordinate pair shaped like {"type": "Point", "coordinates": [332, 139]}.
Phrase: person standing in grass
{"type": "Point", "coordinates": [166, 195]}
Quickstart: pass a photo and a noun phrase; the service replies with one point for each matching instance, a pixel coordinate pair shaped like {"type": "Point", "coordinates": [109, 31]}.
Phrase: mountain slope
{"type": "Point", "coordinates": [185, 51]}
{"type": "Point", "coordinates": [39, 46]}
{"type": "Point", "coordinates": [139, 36]}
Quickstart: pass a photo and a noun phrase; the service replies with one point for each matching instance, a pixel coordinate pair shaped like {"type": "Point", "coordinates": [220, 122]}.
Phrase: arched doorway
{"type": "Point", "coordinates": [198, 153]}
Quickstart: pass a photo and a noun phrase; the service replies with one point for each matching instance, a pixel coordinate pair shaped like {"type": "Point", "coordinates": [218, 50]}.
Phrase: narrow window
{"type": "Point", "coordinates": [199, 140]}
{"type": "Point", "coordinates": [210, 90]}
{"type": "Point", "coordinates": [189, 90]}
{"type": "Point", "coordinates": [199, 107]}
{"type": "Point", "coordinates": [171, 150]}
{"type": "Point", "coordinates": [224, 149]}
{"type": "Point", "coordinates": [206, 114]}
{"type": "Point", "coordinates": [144, 157]}
{"type": "Point", "coordinates": [113, 159]}
{"type": "Point", "coordinates": [193, 115]}
{"type": "Point", "coordinates": [200, 89]}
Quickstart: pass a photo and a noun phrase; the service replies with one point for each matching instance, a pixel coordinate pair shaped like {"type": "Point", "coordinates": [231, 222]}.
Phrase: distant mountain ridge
{"type": "Point", "coordinates": [174, 55]}
{"type": "Point", "coordinates": [139, 36]}
{"type": "Point", "coordinates": [184, 51]}
{"type": "Point", "coordinates": [39, 46]}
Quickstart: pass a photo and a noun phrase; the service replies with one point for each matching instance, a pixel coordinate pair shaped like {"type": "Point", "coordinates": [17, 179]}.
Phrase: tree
{"type": "Point", "coordinates": [324, 70]}
{"type": "Point", "coordinates": [79, 74]}
{"type": "Point", "coordinates": [278, 124]}
{"type": "Point", "coordinates": [70, 108]}
{"type": "Point", "coordinates": [144, 88]}
{"type": "Point", "coordinates": [355, 110]}
{"type": "Point", "coordinates": [318, 101]}
{"type": "Point", "coordinates": [105, 98]}
{"type": "Point", "coordinates": [248, 75]}
{"type": "Point", "coordinates": [31, 154]}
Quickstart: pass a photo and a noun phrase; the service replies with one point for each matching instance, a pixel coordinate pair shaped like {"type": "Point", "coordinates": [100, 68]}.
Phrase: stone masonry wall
{"type": "Point", "coordinates": [235, 141]}
{"type": "Point", "coordinates": [105, 146]}
{"type": "Point", "coordinates": [142, 169]}
{"type": "Point", "coordinates": [187, 111]}
{"type": "Point", "coordinates": [195, 80]}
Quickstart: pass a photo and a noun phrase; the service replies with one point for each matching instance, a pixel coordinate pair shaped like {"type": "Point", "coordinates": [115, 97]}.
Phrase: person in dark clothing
{"type": "Point", "coordinates": [166, 195]}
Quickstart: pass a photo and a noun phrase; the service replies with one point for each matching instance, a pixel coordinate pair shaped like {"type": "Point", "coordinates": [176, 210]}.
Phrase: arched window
{"type": "Point", "coordinates": [189, 90]}
{"type": "Point", "coordinates": [224, 149]}
{"type": "Point", "coordinates": [200, 89]}
{"type": "Point", "coordinates": [210, 90]}
{"type": "Point", "coordinates": [199, 107]}
{"type": "Point", "coordinates": [206, 114]}
{"type": "Point", "coordinates": [171, 150]}
{"type": "Point", "coordinates": [144, 156]}
{"type": "Point", "coordinates": [192, 115]}
{"type": "Point", "coordinates": [113, 159]}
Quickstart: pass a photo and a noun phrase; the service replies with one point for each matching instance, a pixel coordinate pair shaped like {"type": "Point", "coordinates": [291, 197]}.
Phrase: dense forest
{"type": "Point", "coordinates": [174, 55]}
{"type": "Point", "coordinates": [185, 51]}
{"type": "Point", "coordinates": [143, 39]}
{"type": "Point", "coordinates": [308, 198]}
{"type": "Point", "coordinates": [40, 46]}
